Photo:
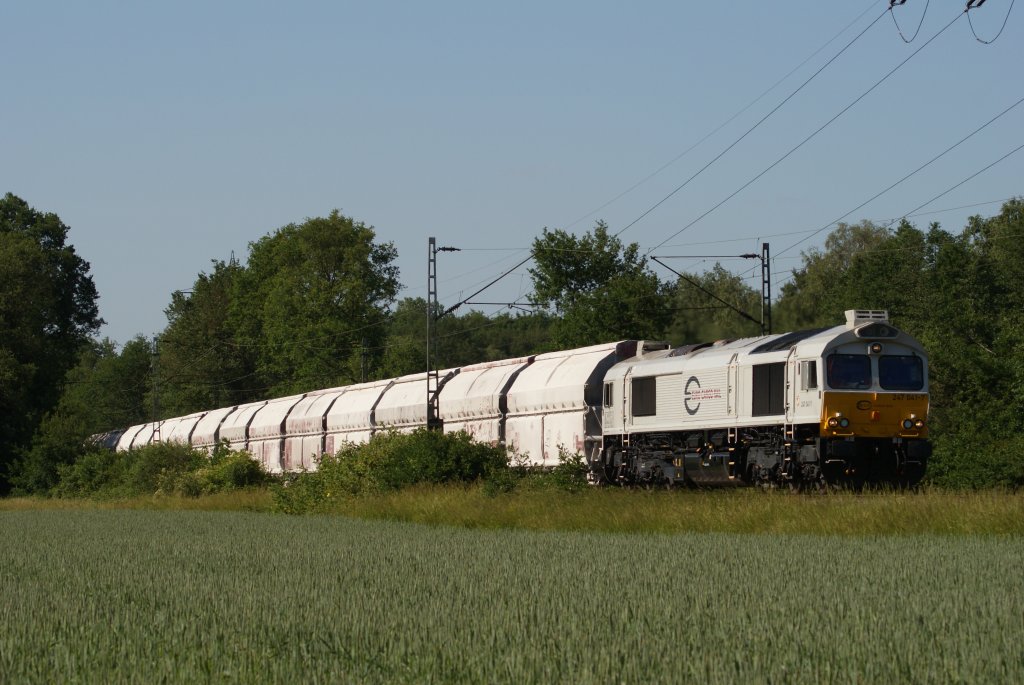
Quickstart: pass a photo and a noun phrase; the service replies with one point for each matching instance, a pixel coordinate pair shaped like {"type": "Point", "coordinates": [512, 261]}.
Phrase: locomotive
{"type": "Point", "coordinates": [846, 404]}
{"type": "Point", "coordinates": [840, 405]}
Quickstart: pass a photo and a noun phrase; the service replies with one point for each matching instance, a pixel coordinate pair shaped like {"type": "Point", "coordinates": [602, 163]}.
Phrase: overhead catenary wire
{"type": "Point", "coordinates": [746, 273]}
{"type": "Point", "coordinates": [463, 301]}
{"type": "Point", "coordinates": [821, 128]}
{"type": "Point", "coordinates": [896, 3]}
{"type": "Point", "coordinates": [649, 210]}
{"type": "Point", "coordinates": [725, 123]}
{"type": "Point", "coordinates": [750, 130]}
{"type": "Point", "coordinates": [973, 5]}
{"type": "Point", "coordinates": [950, 209]}
{"type": "Point", "coordinates": [972, 176]}
{"type": "Point", "coordinates": [760, 237]}
{"type": "Point", "coordinates": [869, 251]}
{"type": "Point", "coordinates": [698, 286]}
{"type": "Point", "coordinates": [905, 177]}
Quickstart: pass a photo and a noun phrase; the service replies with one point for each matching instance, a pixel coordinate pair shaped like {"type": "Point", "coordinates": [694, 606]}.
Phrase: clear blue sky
{"type": "Point", "coordinates": [167, 135]}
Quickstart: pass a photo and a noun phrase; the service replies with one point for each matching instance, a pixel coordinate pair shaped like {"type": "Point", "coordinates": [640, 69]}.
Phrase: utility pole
{"type": "Point", "coordinates": [766, 291]}
{"type": "Point", "coordinates": [433, 313]}
{"type": "Point", "coordinates": [432, 375]}
{"type": "Point", "coordinates": [362, 360]}
{"type": "Point", "coordinates": [156, 391]}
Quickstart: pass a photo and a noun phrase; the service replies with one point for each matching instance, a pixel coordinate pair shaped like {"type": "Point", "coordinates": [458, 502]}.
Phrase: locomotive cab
{"type": "Point", "coordinates": [874, 407]}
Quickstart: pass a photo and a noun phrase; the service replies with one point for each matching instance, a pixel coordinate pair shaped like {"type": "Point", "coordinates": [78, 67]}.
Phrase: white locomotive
{"type": "Point", "coordinates": [825, 405]}
{"type": "Point", "coordinates": [847, 403]}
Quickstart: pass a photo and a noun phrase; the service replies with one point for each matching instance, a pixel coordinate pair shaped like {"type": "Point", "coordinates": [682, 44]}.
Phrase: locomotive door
{"type": "Point", "coordinates": [730, 388]}
{"type": "Point", "coordinates": [625, 418]}
{"type": "Point", "coordinates": [792, 387]}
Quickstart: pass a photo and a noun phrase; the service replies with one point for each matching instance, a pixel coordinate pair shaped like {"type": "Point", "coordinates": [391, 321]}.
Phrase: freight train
{"type": "Point", "coordinates": [846, 404]}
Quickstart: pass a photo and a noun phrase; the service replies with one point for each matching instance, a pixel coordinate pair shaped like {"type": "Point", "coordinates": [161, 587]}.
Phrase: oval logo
{"type": "Point", "coordinates": [864, 405]}
{"type": "Point", "coordinates": [688, 393]}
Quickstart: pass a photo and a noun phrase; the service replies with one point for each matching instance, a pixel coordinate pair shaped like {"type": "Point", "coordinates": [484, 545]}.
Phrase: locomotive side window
{"type": "Point", "coordinates": [900, 372]}
{"type": "Point", "coordinates": [645, 398]}
{"type": "Point", "coordinates": [849, 371]}
{"type": "Point", "coordinates": [769, 389]}
{"type": "Point", "coordinates": [808, 375]}
{"type": "Point", "coordinates": [608, 395]}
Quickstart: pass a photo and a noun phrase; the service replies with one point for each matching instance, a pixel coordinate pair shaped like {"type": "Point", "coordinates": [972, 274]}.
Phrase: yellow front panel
{"type": "Point", "coordinates": [874, 414]}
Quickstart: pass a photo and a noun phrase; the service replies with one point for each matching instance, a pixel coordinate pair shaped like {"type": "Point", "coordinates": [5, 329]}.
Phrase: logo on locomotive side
{"type": "Point", "coordinates": [688, 395]}
{"type": "Point", "coordinates": [694, 395]}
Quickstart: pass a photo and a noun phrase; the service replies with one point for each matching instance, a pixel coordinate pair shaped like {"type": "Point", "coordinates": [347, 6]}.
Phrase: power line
{"type": "Point", "coordinates": [451, 309]}
{"type": "Point", "coordinates": [872, 251]}
{"type": "Point", "coordinates": [749, 130]}
{"type": "Point", "coordinates": [716, 158]}
{"type": "Point", "coordinates": [912, 173]}
{"type": "Point", "coordinates": [973, 5]}
{"type": "Point", "coordinates": [953, 209]}
{"type": "Point", "coordinates": [698, 286]}
{"type": "Point", "coordinates": [976, 173]}
{"type": "Point", "coordinates": [895, 3]}
{"type": "Point", "coordinates": [724, 123]}
{"type": "Point", "coordinates": [815, 133]}
{"type": "Point", "coordinates": [764, 118]}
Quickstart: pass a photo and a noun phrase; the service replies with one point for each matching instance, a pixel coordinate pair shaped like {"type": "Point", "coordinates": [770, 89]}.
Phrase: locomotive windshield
{"type": "Point", "coordinates": [900, 372]}
{"type": "Point", "coordinates": [849, 371]}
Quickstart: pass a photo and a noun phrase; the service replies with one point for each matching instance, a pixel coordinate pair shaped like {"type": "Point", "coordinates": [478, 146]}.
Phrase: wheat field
{"type": "Point", "coordinates": [176, 596]}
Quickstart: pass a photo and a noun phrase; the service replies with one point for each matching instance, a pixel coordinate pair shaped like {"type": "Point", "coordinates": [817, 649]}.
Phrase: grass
{"type": "Point", "coordinates": [626, 511]}
{"type": "Point", "coordinates": [248, 499]}
{"type": "Point", "coordinates": [740, 511]}
{"type": "Point", "coordinates": [181, 596]}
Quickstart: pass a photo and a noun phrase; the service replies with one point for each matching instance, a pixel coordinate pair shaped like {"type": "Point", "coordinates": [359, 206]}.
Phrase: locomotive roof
{"type": "Point", "coordinates": [763, 349]}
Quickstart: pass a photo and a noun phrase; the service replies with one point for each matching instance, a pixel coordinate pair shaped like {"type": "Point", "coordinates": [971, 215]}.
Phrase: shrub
{"type": "Point", "coordinates": [571, 472]}
{"type": "Point", "coordinates": [168, 468]}
{"type": "Point", "coordinates": [231, 471]}
{"type": "Point", "coordinates": [95, 472]}
{"type": "Point", "coordinates": [391, 461]}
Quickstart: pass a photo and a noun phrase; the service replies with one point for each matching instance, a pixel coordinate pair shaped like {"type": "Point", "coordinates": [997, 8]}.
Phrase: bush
{"type": "Point", "coordinates": [388, 462]}
{"type": "Point", "coordinates": [571, 472]}
{"type": "Point", "coordinates": [167, 468]}
{"type": "Point", "coordinates": [95, 472]}
{"type": "Point", "coordinates": [232, 471]}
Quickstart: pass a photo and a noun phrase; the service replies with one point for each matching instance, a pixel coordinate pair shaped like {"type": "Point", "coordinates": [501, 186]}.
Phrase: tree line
{"type": "Point", "coordinates": [316, 305]}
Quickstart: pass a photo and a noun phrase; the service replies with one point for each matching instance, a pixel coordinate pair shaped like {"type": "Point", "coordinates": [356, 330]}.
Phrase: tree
{"type": "Point", "coordinates": [698, 317]}
{"type": "Point", "coordinates": [312, 297]}
{"type": "Point", "coordinates": [822, 288]}
{"type": "Point", "coordinates": [202, 362]}
{"type": "Point", "coordinates": [106, 390]}
{"type": "Point", "coordinates": [963, 298]}
{"type": "Point", "coordinates": [48, 311]}
{"type": "Point", "coordinates": [470, 338]}
{"type": "Point", "coordinates": [600, 289]}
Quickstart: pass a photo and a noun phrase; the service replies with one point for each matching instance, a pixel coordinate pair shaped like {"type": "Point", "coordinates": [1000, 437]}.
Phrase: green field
{"type": "Point", "coordinates": [157, 596]}
{"type": "Point", "coordinates": [618, 510]}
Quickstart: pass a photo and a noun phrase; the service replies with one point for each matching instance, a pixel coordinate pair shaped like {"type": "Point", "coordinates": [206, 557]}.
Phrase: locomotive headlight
{"type": "Point", "coordinates": [833, 422]}
{"type": "Point", "coordinates": [908, 424]}
{"type": "Point", "coordinates": [919, 423]}
{"type": "Point", "coordinates": [844, 422]}
{"type": "Point", "coordinates": [876, 348]}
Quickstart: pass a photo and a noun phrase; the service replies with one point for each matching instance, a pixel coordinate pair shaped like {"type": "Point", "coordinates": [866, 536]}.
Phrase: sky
{"type": "Point", "coordinates": [168, 135]}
